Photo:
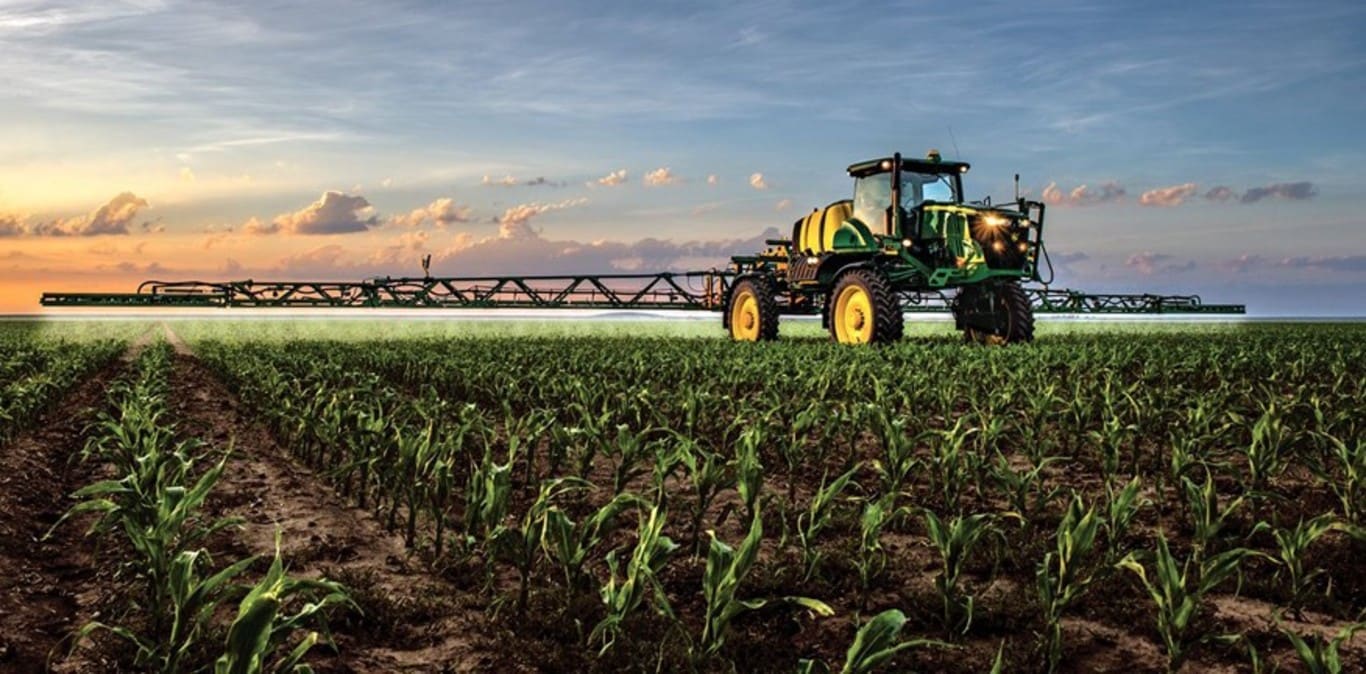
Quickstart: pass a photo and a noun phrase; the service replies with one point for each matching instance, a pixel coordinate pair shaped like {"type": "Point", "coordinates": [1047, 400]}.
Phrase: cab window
{"type": "Point", "coordinates": [872, 196]}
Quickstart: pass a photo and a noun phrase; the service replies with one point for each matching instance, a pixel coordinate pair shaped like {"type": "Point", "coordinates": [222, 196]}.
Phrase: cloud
{"type": "Point", "coordinates": [514, 223]}
{"type": "Point", "coordinates": [611, 179]}
{"type": "Point", "coordinates": [1242, 263]}
{"type": "Point", "coordinates": [333, 213]}
{"type": "Point", "coordinates": [1064, 259]}
{"type": "Point", "coordinates": [443, 212]}
{"type": "Point", "coordinates": [660, 177]}
{"type": "Point", "coordinates": [254, 226]}
{"type": "Point", "coordinates": [782, 205]}
{"type": "Point", "coordinates": [505, 181]}
{"type": "Point", "coordinates": [1291, 191]}
{"type": "Point", "coordinates": [111, 218]}
{"type": "Point", "coordinates": [1168, 196]}
{"type": "Point", "coordinates": [386, 183]}
{"type": "Point", "coordinates": [1219, 193]}
{"type": "Point", "coordinates": [11, 225]}
{"type": "Point", "coordinates": [186, 174]}
{"type": "Point", "coordinates": [1083, 195]}
{"type": "Point", "coordinates": [756, 181]}
{"type": "Point", "coordinates": [1343, 263]}
{"type": "Point", "coordinates": [1146, 262]}
{"type": "Point", "coordinates": [713, 180]}
{"type": "Point", "coordinates": [1334, 263]}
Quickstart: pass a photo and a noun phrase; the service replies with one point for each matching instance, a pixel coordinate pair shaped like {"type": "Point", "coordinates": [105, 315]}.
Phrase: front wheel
{"type": "Point", "coordinates": [863, 309]}
{"type": "Point", "coordinates": [752, 313]}
{"type": "Point", "coordinates": [995, 314]}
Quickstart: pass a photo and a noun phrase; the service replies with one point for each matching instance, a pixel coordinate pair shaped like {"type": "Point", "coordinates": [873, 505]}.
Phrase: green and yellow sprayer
{"type": "Point", "coordinates": [906, 242]}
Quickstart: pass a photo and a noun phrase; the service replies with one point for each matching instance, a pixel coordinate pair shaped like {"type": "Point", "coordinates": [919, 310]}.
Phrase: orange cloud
{"type": "Point", "coordinates": [111, 218]}
{"type": "Point", "coordinates": [660, 177]}
{"type": "Point", "coordinates": [1167, 196]}
{"type": "Point", "coordinates": [333, 213]}
{"type": "Point", "coordinates": [441, 212]}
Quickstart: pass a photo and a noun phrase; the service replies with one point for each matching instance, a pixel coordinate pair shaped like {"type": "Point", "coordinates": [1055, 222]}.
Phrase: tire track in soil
{"type": "Point", "coordinates": [323, 535]}
{"type": "Point", "coordinates": [49, 588]}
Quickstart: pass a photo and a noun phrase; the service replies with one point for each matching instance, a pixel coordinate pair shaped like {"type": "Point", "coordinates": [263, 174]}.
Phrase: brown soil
{"type": "Point", "coordinates": [49, 586]}
{"type": "Point", "coordinates": [414, 620]}
{"type": "Point", "coordinates": [418, 618]}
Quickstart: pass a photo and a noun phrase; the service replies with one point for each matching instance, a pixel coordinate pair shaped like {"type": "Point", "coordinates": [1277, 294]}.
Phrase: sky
{"type": "Point", "coordinates": [1191, 147]}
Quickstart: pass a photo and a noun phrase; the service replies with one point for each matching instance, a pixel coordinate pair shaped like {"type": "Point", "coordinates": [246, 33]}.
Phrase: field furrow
{"type": "Point", "coordinates": [411, 619]}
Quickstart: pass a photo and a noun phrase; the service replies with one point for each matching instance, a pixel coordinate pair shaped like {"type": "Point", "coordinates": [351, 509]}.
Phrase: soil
{"type": "Point", "coordinates": [52, 581]}
{"type": "Point", "coordinates": [413, 619]}
{"type": "Point", "coordinates": [419, 616]}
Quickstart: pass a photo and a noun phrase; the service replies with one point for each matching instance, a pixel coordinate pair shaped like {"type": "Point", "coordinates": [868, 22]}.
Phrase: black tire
{"type": "Point", "coordinates": [887, 322]}
{"type": "Point", "coordinates": [765, 326]}
{"type": "Point", "coordinates": [1012, 322]}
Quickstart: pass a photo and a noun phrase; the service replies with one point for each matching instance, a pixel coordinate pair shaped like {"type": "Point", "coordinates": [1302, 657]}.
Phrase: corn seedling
{"type": "Point", "coordinates": [623, 595]}
{"type": "Point", "coordinates": [726, 570]}
{"type": "Point", "coordinates": [1292, 545]}
{"type": "Point", "coordinates": [1120, 509]}
{"type": "Point", "coordinates": [1065, 573]}
{"type": "Point", "coordinates": [570, 544]}
{"type": "Point", "coordinates": [264, 622]}
{"type": "Point", "coordinates": [1207, 517]}
{"type": "Point", "coordinates": [875, 644]}
{"type": "Point", "coordinates": [749, 469]}
{"type": "Point", "coordinates": [1178, 591]}
{"type": "Point", "coordinates": [817, 516]}
{"type": "Point", "coordinates": [955, 541]}
{"type": "Point", "coordinates": [1319, 655]}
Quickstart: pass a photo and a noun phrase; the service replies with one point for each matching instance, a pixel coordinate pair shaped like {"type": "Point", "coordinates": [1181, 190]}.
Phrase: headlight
{"type": "Point", "coordinates": [994, 221]}
{"type": "Point", "coordinates": [906, 243]}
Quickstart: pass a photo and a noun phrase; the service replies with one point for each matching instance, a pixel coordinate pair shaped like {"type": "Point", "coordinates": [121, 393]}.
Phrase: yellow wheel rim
{"type": "Point", "coordinates": [744, 317]}
{"type": "Point", "coordinates": [853, 316]}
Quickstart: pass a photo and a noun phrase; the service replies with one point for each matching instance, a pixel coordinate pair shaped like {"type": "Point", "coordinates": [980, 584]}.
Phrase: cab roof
{"type": "Point", "coordinates": [874, 166]}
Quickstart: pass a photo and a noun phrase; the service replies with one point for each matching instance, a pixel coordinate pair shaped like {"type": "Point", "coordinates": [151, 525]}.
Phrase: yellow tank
{"type": "Point", "coordinates": [815, 233]}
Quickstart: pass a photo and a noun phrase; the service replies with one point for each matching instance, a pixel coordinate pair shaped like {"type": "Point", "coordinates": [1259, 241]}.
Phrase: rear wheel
{"type": "Point", "coordinates": [752, 314]}
{"type": "Point", "coordinates": [863, 309]}
{"type": "Point", "coordinates": [996, 314]}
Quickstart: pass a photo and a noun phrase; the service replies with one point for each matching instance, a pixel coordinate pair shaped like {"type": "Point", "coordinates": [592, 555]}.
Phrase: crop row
{"type": "Point", "coordinates": [35, 372]}
{"type": "Point", "coordinates": [152, 511]}
{"type": "Point", "coordinates": [1170, 466]}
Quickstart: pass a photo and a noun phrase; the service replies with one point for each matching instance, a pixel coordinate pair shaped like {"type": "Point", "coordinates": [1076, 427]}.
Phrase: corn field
{"type": "Point", "coordinates": [1128, 498]}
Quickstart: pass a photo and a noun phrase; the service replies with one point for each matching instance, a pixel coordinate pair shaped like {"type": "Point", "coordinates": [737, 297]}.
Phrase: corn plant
{"type": "Point", "coordinates": [952, 464]}
{"type": "Point", "coordinates": [871, 559]}
{"type": "Point", "coordinates": [706, 475]}
{"type": "Point", "coordinates": [1265, 453]}
{"type": "Point", "coordinates": [570, 544]}
{"type": "Point", "coordinates": [1348, 482]}
{"type": "Point", "coordinates": [264, 622]}
{"type": "Point", "coordinates": [898, 451]}
{"type": "Point", "coordinates": [1292, 545]}
{"type": "Point", "coordinates": [628, 449]}
{"type": "Point", "coordinates": [518, 544]}
{"type": "Point", "coordinates": [817, 515]}
{"type": "Point", "coordinates": [192, 601]}
{"type": "Point", "coordinates": [1319, 655]}
{"type": "Point", "coordinates": [726, 570]}
{"type": "Point", "coordinates": [875, 644]}
{"type": "Point", "coordinates": [1178, 590]}
{"type": "Point", "coordinates": [487, 495]}
{"type": "Point", "coordinates": [1025, 490]}
{"type": "Point", "coordinates": [1120, 509]}
{"type": "Point", "coordinates": [1065, 573]}
{"type": "Point", "coordinates": [749, 469]}
{"type": "Point", "coordinates": [623, 595]}
{"type": "Point", "coordinates": [955, 541]}
{"type": "Point", "coordinates": [1207, 516]}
